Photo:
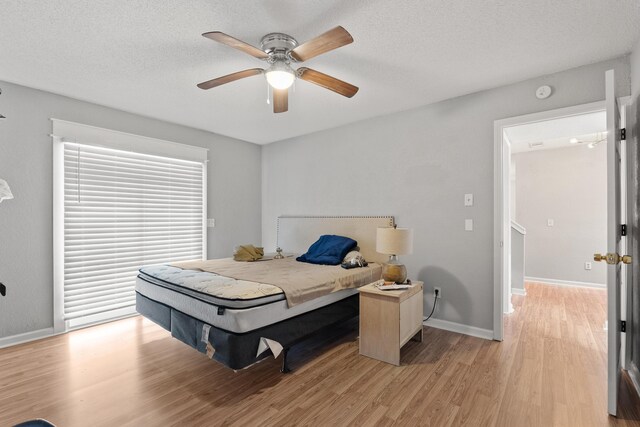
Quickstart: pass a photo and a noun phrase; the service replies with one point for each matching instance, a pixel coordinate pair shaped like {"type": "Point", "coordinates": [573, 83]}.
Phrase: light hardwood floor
{"type": "Point", "coordinates": [550, 370]}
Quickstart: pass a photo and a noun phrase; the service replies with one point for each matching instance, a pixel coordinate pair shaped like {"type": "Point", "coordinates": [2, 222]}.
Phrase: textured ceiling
{"type": "Point", "coordinates": [147, 56]}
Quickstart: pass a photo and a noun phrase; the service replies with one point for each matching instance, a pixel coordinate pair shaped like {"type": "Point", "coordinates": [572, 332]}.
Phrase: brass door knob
{"type": "Point", "coordinates": [612, 258]}
{"type": "Point", "coordinates": [608, 258]}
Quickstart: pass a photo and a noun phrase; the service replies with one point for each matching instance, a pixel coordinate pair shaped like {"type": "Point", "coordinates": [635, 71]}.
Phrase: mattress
{"type": "Point", "coordinates": [212, 288]}
{"type": "Point", "coordinates": [232, 319]}
{"type": "Point", "coordinates": [234, 305]}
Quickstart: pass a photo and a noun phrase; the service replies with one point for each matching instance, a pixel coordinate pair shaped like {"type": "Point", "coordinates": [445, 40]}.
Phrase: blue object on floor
{"type": "Point", "coordinates": [35, 423]}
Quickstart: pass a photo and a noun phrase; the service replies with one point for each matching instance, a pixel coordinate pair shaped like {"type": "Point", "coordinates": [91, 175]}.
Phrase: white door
{"type": "Point", "coordinates": [614, 249]}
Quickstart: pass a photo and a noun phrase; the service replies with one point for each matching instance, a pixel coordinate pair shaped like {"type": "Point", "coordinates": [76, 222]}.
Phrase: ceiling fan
{"type": "Point", "coordinates": [279, 51]}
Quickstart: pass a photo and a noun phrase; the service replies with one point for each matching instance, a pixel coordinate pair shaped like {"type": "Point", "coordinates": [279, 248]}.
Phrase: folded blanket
{"type": "Point", "coordinates": [247, 253]}
{"type": "Point", "coordinates": [328, 250]}
{"type": "Point", "coordinates": [300, 281]}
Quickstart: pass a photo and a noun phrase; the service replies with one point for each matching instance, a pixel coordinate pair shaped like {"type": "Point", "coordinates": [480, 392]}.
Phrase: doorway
{"type": "Point", "coordinates": [546, 125]}
{"type": "Point", "coordinates": [558, 201]}
{"type": "Point", "coordinates": [615, 244]}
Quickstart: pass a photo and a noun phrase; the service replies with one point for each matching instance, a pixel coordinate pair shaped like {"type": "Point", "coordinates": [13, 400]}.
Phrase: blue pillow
{"type": "Point", "coordinates": [328, 250]}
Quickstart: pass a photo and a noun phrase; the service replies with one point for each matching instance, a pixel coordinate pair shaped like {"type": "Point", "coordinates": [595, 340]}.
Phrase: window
{"type": "Point", "coordinates": [120, 210]}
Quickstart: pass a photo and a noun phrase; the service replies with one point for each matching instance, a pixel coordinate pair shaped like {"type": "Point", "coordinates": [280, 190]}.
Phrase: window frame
{"type": "Point", "coordinates": [66, 131]}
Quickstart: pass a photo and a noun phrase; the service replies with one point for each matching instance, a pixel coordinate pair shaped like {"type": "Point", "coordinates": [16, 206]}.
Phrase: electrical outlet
{"type": "Point", "coordinates": [439, 291]}
{"type": "Point", "coordinates": [468, 199]}
{"type": "Point", "coordinates": [211, 222]}
{"type": "Point", "coordinates": [587, 265]}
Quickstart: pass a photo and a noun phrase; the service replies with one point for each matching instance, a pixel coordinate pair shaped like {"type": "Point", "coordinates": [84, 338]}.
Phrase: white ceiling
{"type": "Point", "coordinates": [146, 56]}
{"type": "Point", "coordinates": [556, 133]}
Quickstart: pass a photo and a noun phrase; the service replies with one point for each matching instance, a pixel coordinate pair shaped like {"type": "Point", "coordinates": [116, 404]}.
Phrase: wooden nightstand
{"type": "Point", "coordinates": [388, 319]}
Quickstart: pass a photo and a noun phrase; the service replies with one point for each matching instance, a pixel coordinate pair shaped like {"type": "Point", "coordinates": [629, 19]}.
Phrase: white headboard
{"type": "Point", "coordinates": [297, 233]}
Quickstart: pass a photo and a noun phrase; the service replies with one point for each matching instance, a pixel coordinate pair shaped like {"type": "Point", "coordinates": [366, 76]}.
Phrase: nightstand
{"type": "Point", "coordinates": [388, 320]}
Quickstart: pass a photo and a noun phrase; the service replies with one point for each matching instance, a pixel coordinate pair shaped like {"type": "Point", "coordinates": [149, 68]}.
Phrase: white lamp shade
{"type": "Point", "coordinates": [5, 191]}
{"type": "Point", "coordinates": [394, 241]}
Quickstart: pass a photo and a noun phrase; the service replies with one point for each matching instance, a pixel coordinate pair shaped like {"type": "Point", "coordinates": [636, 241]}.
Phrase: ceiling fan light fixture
{"type": "Point", "coordinates": [279, 50]}
{"type": "Point", "coordinates": [280, 75]}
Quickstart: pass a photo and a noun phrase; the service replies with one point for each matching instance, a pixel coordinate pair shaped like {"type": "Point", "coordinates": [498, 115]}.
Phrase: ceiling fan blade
{"type": "Point", "coordinates": [236, 44]}
{"type": "Point", "coordinates": [280, 100]}
{"type": "Point", "coordinates": [230, 78]}
{"type": "Point", "coordinates": [327, 82]}
{"type": "Point", "coordinates": [325, 42]}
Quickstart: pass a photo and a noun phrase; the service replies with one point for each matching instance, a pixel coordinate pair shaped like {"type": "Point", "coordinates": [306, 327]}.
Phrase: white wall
{"type": "Point", "coordinates": [26, 253]}
{"type": "Point", "coordinates": [568, 185]}
{"type": "Point", "coordinates": [417, 165]}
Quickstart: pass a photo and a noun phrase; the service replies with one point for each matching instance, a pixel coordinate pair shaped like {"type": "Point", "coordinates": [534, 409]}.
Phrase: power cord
{"type": "Point", "coordinates": [435, 302]}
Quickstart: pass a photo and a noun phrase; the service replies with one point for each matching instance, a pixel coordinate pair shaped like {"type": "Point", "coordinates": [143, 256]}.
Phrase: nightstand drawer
{"type": "Point", "coordinates": [410, 317]}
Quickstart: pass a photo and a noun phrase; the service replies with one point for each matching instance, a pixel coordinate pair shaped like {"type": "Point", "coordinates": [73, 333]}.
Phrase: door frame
{"type": "Point", "coordinates": [501, 170]}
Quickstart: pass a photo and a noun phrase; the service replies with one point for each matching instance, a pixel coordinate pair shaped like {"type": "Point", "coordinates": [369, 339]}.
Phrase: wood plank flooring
{"type": "Point", "coordinates": [549, 371]}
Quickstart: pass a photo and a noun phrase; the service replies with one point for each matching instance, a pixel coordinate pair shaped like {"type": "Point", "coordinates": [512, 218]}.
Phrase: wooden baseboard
{"type": "Point", "coordinates": [26, 337]}
{"type": "Point", "coordinates": [518, 291]}
{"type": "Point", "coordinates": [486, 334]}
{"type": "Point", "coordinates": [558, 282]}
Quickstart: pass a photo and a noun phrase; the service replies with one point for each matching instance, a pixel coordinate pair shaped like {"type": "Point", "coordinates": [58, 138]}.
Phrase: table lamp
{"type": "Point", "coordinates": [393, 242]}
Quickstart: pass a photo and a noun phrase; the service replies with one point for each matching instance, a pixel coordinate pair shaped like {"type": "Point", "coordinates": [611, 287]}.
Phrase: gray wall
{"type": "Point", "coordinates": [417, 165]}
{"type": "Point", "coordinates": [633, 156]}
{"type": "Point", "coordinates": [568, 185]}
{"type": "Point", "coordinates": [26, 264]}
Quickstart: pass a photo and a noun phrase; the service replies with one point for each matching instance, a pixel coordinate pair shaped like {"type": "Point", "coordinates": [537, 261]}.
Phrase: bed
{"type": "Point", "coordinates": [239, 322]}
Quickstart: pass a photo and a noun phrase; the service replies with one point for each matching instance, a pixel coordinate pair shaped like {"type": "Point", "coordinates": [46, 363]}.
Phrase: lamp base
{"type": "Point", "coordinates": [393, 271]}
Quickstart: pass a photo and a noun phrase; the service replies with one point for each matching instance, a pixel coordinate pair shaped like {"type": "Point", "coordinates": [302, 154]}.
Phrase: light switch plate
{"type": "Point", "coordinates": [468, 199]}
{"type": "Point", "coordinates": [550, 222]}
{"type": "Point", "coordinates": [211, 222]}
{"type": "Point", "coordinates": [468, 225]}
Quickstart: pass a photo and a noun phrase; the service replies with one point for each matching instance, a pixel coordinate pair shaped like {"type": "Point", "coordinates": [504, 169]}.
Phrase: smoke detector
{"type": "Point", "coordinates": [543, 92]}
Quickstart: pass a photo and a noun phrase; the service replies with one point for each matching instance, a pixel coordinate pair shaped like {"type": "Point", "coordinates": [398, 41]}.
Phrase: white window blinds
{"type": "Point", "coordinates": [123, 210]}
